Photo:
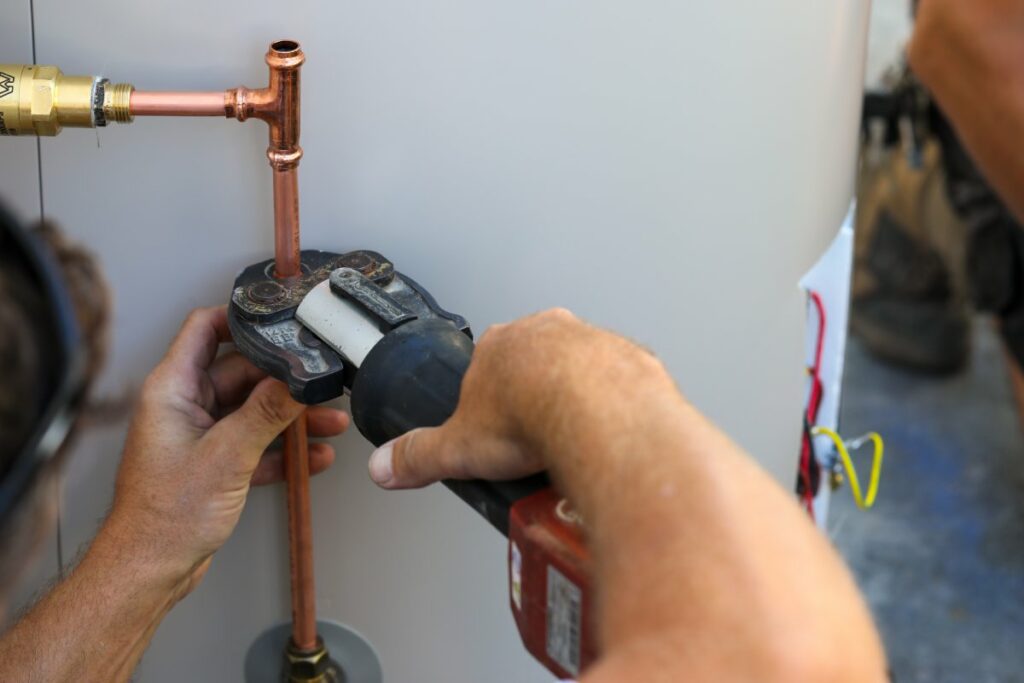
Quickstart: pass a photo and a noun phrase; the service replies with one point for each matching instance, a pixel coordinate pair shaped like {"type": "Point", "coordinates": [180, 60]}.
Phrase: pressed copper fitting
{"type": "Point", "coordinates": [278, 105]}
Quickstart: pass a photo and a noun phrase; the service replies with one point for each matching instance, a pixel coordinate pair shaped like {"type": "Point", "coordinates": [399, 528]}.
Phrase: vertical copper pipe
{"type": "Point", "coordinates": [287, 249]}
{"type": "Point", "coordinates": [300, 535]}
{"type": "Point", "coordinates": [279, 106]}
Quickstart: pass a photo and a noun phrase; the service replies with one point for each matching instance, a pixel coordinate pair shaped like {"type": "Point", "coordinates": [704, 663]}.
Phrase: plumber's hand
{"type": "Point", "coordinates": [199, 439]}
{"type": "Point", "coordinates": [533, 386]}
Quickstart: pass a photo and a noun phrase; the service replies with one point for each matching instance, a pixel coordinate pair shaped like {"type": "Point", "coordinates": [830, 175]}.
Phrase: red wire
{"type": "Point", "coordinates": [821, 330]}
{"type": "Point", "coordinates": [813, 403]}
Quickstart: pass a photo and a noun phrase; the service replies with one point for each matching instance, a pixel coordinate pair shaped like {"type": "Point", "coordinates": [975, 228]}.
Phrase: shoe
{"type": "Point", "coordinates": [995, 240]}
{"type": "Point", "coordinates": [909, 292]}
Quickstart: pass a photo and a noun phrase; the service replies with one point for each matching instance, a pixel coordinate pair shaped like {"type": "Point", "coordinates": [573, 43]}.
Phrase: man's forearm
{"type": "Point", "coordinates": [969, 54]}
{"type": "Point", "coordinates": [95, 625]}
{"type": "Point", "coordinates": [701, 560]}
{"type": "Point", "coordinates": [705, 568]}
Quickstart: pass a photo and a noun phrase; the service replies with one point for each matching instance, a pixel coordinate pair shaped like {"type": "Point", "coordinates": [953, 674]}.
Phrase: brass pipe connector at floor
{"type": "Point", "coordinates": [310, 666]}
{"type": "Point", "coordinates": [41, 100]}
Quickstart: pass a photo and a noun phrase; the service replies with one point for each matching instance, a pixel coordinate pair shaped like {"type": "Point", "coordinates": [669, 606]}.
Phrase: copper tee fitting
{"type": "Point", "coordinates": [278, 105]}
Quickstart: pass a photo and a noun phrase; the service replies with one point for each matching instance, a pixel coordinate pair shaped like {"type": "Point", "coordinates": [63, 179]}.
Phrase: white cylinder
{"type": "Point", "coordinates": [665, 169]}
{"type": "Point", "coordinates": [343, 326]}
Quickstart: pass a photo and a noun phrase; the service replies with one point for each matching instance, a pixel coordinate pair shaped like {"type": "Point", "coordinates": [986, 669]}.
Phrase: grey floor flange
{"type": "Point", "coordinates": [348, 648]}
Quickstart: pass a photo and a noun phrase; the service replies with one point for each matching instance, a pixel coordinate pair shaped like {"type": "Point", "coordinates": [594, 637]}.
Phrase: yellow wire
{"type": "Point", "coordinates": [851, 473]}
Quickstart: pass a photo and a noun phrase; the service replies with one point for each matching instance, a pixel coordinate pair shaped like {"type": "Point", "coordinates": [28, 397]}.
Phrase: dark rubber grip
{"type": "Point", "coordinates": [411, 379]}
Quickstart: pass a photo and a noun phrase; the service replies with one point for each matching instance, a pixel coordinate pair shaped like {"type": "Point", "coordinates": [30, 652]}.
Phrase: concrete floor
{"type": "Point", "coordinates": [941, 556]}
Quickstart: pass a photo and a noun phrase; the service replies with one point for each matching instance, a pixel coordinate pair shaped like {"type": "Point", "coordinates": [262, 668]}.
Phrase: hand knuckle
{"type": "Point", "coordinates": [269, 409]}
{"type": "Point", "coordinates": [195, 315]}
{"type": "Point", "coordinates": [154, 386]}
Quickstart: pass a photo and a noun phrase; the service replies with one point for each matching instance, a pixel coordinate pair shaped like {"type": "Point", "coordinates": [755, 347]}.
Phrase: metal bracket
{"type": "Point", "coordinates": [352, 285]}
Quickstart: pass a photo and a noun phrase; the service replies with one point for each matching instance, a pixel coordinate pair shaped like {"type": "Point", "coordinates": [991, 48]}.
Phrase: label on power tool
{"type": "Point", "coordinates": [516, 576]}
{"type": "Point", "coordinates": [564, 611]}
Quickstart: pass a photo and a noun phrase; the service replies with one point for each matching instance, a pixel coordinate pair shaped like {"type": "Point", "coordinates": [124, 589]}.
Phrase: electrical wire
{"type": "Point", "coordinates": [863, 502]}
{"type": "Point", "coordinates": [808, 460]}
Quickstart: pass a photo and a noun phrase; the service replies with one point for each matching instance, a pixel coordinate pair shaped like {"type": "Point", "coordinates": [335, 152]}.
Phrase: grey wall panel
{"type": "Point", "coordinates": [665, 169]}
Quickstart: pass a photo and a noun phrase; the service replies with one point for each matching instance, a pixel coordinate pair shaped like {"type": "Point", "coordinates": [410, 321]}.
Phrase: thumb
{"type": "Point", "coordinates": [451, 451]}
{"type": "Point", "coordinates": [266, 413]}
{"type": "Point", "coordinates": [416, 459]}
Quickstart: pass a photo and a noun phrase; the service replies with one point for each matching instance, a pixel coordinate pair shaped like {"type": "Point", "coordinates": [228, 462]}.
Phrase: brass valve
{"type": "Point", "coordinates": [41, 100]}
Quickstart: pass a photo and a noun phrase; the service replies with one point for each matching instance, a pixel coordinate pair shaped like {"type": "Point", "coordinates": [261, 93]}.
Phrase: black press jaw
{"type": "Point", "coordinates": [261, 316]}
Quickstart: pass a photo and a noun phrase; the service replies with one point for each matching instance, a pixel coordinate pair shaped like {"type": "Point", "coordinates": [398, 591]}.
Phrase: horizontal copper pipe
{"type": "Point", "coordinates": [179, 103]}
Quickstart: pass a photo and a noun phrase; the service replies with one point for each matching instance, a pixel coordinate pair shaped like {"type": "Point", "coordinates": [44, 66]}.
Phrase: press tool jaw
{"type": "Point", "coordinates": [351, 323]}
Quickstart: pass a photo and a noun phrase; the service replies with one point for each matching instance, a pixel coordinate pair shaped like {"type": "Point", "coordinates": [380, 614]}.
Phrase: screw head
{"type": "Point", "coordinates": [266, 292]}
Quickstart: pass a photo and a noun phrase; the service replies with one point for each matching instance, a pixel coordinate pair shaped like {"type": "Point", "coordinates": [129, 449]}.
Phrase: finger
{"type": "Point", "coordinates": [424, 456]}
{"type": "Point", "coordinates": [410, 461]}
{"type": "Point", "coordinates": [323, 422]}
{"type": "Point", "coordinates": [196, 344]}
{"type": "Point", "coordinates": [233, 376]}
{"type": "Point", "coordinates": [271, 466]}
{"type": "Point", "coordinates": [250, 429]}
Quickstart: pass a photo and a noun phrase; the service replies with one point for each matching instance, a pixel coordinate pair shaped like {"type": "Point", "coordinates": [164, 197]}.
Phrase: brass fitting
{"type": "Point", "coordinates": [41, 100]}
{"type": "Point", "coordinates": [312, 666]}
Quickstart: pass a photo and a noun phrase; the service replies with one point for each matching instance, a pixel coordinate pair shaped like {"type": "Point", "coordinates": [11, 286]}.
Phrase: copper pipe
{"type": "Point", "coordinates": [179, 103]}
{"type": "Point", "coordinates": [300, 536]}
{"type": "Point", "coordinates": [277, 105]}
{"type": "Point", "coordinates": [286, 222]}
